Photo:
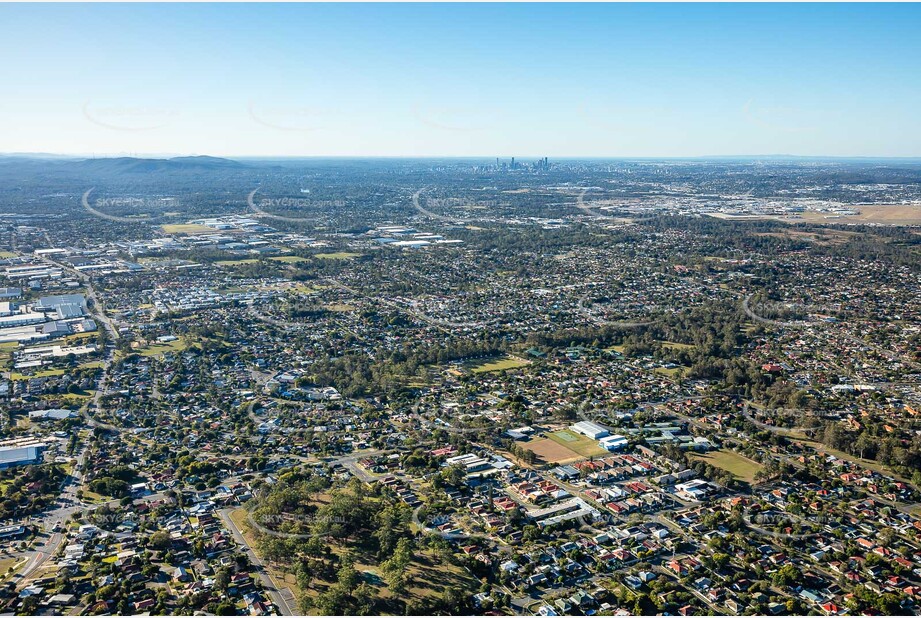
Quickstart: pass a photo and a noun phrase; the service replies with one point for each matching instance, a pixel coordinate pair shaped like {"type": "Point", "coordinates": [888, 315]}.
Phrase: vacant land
{"type": "Point", "coordinates": [77, 338]}
{"type": "Point", "coordinates": [76, 397]}
{"type": "Point", "coordinates": [891, 214]}
{"type": "Point", "coordinates": [237, 262]}
{"type": "Point", "coordinates": [552, 452]}
{"type": "Point", "coordinates": [499, 364]}
{"type": "Point", "coordinates": [157, 349]}
{"type": "Point", "coordinates": [668, 372]}
{"type": "Point", "coordinates": [741, 467]}
{"type": "Point", "coordinates": [187, 228]}
{"type": "Point", "coordinates": [38, 374]}
{"type": "Point", "coordinates": [825, 238]}
{"type": "Point", "coordinates": [308, 289]}
{"type": "Point", "coordinates": [341, 255]}
{"type": "Point", "coordinates": [290, 259]}
{"type": "Point", "coordinates": [6, 352]}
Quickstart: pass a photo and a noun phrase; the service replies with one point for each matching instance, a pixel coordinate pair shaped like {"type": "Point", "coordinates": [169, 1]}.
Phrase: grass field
{"type": "Point", "coordinates": [340, 255]}
{"type": "Point", "coordinates": [15, 375]}
{"type": "Point", "coordinates": [237, 262]}
{"type": "Point", "coordinates": [583, 445]}
{"type": "Point", "coordinates": [5, 255]}
{"type": "Point", "coordinates": [157, 349]}
{"type": "Point", "coordinates": [500, 364]}
{"type": "Point", "coordinates": [308, 289]}
{"type": "Point", "coordinates": [6, 353]}
{"type": "Point", "coordinates": [669, 372]}
{"type": "Point", "coordinates": [187, 228]}
{"type": "Point", "coordinates": [10, 565]}
{"type": "Point", "coordinates": [76, 398]}
{"type": "Point", "coordinates": [92, 496]}
{"type": "Point", "coordinates": [290, 259]}
{"type": "Point", "coordinates": [77, 337]}
{"type": "Point", "coordinates": [740, 467]}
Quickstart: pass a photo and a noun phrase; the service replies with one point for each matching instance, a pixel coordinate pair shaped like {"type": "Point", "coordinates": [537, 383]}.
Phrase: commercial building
{"type": "Point", "coordinates": [590, 429]}
{"type": "Point", "coordinates": [613, 443]}
{"type": "Point", "coordinates": [20, 456]}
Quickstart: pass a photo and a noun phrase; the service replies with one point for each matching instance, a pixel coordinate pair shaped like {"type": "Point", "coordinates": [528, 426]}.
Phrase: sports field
{"type": "Point", "coordinates": [552, 452]}
{"type": "Point", "coordinates": [582, 445]}
{"type": "Point", "coordinates": [499, 364]}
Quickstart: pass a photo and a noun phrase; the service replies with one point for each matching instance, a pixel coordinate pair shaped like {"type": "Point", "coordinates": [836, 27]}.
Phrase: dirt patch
{"type": "Point", "coordinates": [891, 214]}
{"type": "Point", "coordinates": [552, 452]}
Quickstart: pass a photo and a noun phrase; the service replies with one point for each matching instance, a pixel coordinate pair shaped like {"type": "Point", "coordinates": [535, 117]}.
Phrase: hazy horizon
{"type": "Point", "coordinates": [427, 81]}
{"type": "Point", "coordinates": [506, 158]}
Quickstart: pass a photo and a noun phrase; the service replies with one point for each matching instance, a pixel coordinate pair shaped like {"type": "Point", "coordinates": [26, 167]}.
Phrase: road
{"type": "Point", "coordinates": [444, 325]}
{"type": "Point", "coordinates": [350, 463]}
{"type": "Point", "coordinates": [792, 432]}
{"type": "Point", "coordinates": [599, 320]}
{"type": "Point", "coordinates": [67, 504]}
{"type": "Point", "coordinates": [888, 354]}
{"type": "Point", "coordinates": [281, 596]}
{"type": "Point", "coordinates": [98, 312]}
{"type": "Point", "coordinates": [434, 215]}
{"type": "Point", "coordinates": [748, 311]}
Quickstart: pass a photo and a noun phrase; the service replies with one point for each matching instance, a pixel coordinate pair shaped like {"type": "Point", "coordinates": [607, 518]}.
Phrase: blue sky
{"type": "Point", "coordinates": [593, 80]}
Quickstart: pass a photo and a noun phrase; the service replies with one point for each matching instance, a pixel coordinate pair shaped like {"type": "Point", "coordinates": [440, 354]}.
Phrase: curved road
{"type": "Point", "coordinates": [434, 215]}
{"type": "Point", "coordinates": [748, 311]}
